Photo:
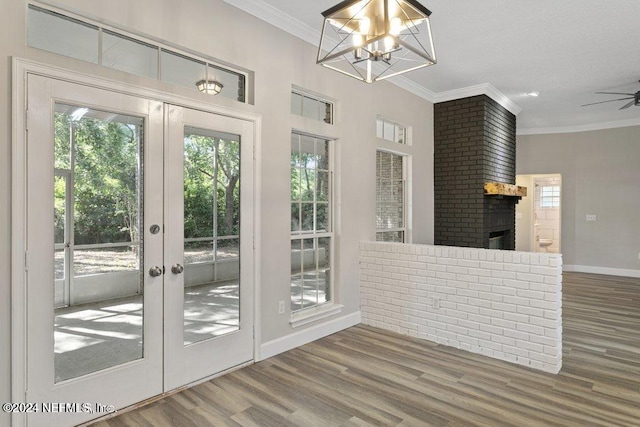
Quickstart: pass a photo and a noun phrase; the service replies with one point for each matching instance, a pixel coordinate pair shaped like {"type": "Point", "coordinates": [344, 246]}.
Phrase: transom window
{"type": "Point", "coordinates": [390, 197]}
{"type": "Point", "coordinates": [391, 131]}
{"type": "Point", "coordinates": [311, 216]}
{"type": "Point", "coordinates": [313, 107]}
{"type": "Point", "coordinates": [91, 42]}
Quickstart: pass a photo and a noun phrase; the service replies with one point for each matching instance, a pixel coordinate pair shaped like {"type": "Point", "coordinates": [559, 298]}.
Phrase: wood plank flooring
{"type": "Point", "coordinates": [367, 376]}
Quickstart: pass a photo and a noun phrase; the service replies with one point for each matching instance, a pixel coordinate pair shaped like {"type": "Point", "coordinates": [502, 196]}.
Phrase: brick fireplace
{"type": "Point", "coordinates": [475, 143]}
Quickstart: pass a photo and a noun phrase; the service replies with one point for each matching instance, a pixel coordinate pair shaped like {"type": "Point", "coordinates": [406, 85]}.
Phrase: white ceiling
{"type": "Point", "coordinates": [564, 49]}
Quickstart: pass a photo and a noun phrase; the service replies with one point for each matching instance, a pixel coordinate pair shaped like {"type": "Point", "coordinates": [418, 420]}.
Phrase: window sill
{"type": "Point", "coordinates": [312, 314]}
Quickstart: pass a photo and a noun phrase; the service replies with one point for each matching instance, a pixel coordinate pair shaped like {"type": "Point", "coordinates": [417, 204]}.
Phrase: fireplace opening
{"type": "Point", "coordinates": [498, 239]}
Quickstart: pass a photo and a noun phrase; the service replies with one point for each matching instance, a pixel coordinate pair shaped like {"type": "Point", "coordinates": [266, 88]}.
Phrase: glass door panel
{"type": "Point", "coordinates": [97, 218]}
{"type": "Point", "coordinates": [211, 234]}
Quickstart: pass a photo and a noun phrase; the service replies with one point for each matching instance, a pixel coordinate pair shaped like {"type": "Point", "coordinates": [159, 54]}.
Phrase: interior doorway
{"type": "Point", "coordinates": [539, 215]}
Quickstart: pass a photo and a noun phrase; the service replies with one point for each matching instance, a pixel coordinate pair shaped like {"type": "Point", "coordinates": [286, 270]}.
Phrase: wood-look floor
{"type": "Point", "coordinates": [367, 376]}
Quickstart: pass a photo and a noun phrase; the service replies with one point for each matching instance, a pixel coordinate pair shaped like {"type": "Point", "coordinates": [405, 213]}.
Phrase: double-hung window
{"type": "Point", "coordinates": [391, 222]}
{"type": "Point", "coordinates": [311, 221]}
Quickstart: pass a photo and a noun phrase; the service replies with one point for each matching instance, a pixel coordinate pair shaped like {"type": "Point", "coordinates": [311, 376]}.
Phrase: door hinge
{"type": "Point", "coordinates": [26, 119]}
{"type": "Point", "coordinates": [26, 260]}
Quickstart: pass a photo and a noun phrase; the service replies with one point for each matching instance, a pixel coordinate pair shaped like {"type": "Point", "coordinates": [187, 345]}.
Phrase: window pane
{"type": "Point", "coordinates": [322, 155]}
{"type": "Point", "coordinates": [308, 184]}
{"type": "Point", "coordinates": [388, 131]}
{"type": "Point", "coordinates": [379, 128]}
{"type": "Point", "coordinates": [322, 217]}
{"type": "Point", "coordinates": [179, 70]}
{"type": "Point", "coordinates": [233, 84]}
{"type": "Point", "coordinates": [62, 35]}
{"type": "Point", "coordinates": [307, 217]}
{"type": "Point", "coordinates": [296, 184]}
{"type": "Point", "coordinates": [131, 56]}
{"type": "Point", "coordinates": [295, 217]}
{"type": "Point", "coordinates": [296, 275]}
{"type": "Point", "coordinates": [322, 186]}
{"type": "Point", "coordinates": [390, 236]}
{"type": "Point", "coordinates": [296, 103]}
{"type": "Point", "coordinates": [310, 108]}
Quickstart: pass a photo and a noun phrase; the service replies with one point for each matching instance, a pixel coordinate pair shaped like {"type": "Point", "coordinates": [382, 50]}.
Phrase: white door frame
{"type": "Point", "coordinates": [19, 259]}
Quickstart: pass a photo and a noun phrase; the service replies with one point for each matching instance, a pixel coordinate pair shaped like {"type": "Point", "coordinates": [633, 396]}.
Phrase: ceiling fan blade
{"type": "Point", "coordinates": [628, 105]}
{"type": "Point", "coordinates": [614, 93]}
{"type": "Point", "coordinates": [611, 100]}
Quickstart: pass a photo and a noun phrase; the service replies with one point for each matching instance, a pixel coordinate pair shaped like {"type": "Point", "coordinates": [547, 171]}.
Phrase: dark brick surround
{"type": "Point", "coordinates": [475, 142]}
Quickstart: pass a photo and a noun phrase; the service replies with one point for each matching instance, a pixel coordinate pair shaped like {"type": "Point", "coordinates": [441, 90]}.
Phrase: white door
{"type": "Point", "coordinates": [109, 321]}
{"type": "Point", "coordinates": [208, 244]}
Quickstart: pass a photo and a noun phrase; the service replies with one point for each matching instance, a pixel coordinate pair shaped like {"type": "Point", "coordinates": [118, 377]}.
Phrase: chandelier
{"type": "Point", "coordinates": [373, 40]}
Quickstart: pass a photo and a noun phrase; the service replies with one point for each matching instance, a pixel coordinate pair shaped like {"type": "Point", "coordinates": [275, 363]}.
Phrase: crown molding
{"type": "Point", "coordinates": [480, 89]}
{"type": "Point", "coordinates": [277, 18]}
{"type": "Point", "coordinates": [580, 128]}
{"type": "Point", "coordinates": [414, 88]}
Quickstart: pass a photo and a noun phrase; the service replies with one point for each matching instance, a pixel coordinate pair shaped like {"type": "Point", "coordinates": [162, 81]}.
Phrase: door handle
{"type": "Point", "coordinates": [155, 271]}
{"type": "Point", "coordinates": [177, 269]}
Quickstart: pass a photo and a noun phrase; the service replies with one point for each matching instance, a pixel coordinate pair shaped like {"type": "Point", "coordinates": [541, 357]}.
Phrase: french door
{"type": "Point", "coordinates": [139, 248]}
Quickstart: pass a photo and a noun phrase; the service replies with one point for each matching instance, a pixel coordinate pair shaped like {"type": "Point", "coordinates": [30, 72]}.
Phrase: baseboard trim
{"type": "Point", "coordinates": [305, 336]}
{"type": "Point", "coordinates": [601, 270]}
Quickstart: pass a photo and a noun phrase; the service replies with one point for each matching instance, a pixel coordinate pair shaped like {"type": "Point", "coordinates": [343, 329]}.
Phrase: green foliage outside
{"type": "Point", "coordinates": [107, 185]}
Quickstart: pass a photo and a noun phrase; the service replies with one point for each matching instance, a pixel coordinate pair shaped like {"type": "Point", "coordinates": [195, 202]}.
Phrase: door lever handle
{"type": "Point", "coordinates": [177, 269]}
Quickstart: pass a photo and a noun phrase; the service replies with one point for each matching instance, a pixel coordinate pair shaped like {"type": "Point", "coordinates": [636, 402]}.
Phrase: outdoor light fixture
{"type": "Point", "coordinates": [210, 87]}
{"type": "Point", "coordinates": [373, 40]}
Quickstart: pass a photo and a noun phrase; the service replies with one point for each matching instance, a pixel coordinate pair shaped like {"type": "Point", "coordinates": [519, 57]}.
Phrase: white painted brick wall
{"type": "Point", "coordinates": [502, 304]}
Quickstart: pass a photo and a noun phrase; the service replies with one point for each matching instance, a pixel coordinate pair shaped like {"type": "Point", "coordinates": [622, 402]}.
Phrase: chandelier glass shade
{"type": "Point", "coordinates": [373, 40]}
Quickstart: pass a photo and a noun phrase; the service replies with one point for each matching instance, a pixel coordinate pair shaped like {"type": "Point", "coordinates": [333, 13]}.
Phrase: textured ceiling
{"type": "Point", "coordinates": [566, 50]}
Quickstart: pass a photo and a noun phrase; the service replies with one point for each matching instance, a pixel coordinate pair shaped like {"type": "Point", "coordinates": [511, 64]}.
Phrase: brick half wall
{"type": "Point", "coordinates": [502, 304]}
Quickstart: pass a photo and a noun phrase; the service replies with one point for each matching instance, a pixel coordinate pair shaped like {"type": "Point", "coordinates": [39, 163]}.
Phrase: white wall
{"type": "Point", "coordinates": [215, 29]}
{"type": "Point", "coordinates": [600, 176]}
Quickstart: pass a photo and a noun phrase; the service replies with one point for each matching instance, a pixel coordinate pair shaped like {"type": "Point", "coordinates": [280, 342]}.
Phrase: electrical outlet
{"type": "Point", "coordinates": [592, 218]}
{"type": "Point", "coordinates": [280, 307]}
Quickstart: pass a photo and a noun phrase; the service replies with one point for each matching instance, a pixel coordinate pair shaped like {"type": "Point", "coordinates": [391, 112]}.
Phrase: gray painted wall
{"type": "Point", "coordinates": [600, 175]}
{"type": "Point", "coordinates": [279, 60]}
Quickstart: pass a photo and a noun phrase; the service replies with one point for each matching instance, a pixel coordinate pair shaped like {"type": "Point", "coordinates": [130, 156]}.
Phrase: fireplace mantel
{"type": "Point", "coordinates": [502, 189]}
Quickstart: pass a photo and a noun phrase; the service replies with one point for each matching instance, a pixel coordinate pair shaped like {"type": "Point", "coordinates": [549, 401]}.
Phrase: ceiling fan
{"type": "Point", "coordinates": [634, 97]}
